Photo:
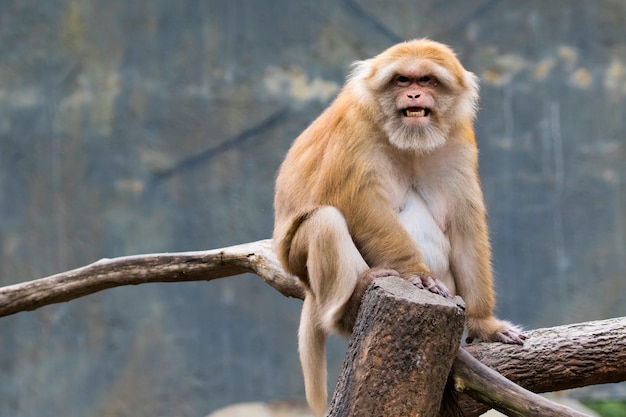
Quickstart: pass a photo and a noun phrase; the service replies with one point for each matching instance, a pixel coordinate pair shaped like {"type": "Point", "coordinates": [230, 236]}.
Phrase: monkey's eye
{"type": "Point", "coordinates": [427, 80]}
{"type": "Point", "coordinates": [403, 80]}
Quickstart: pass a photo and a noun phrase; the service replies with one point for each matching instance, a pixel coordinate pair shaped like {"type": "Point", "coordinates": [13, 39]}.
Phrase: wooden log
{"type": "Point", "coordinates": [557, 358]}
{"type": "Point", "coordinates": [400, 353]}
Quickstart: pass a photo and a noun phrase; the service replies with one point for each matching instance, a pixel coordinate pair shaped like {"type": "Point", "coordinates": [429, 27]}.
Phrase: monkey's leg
{"type": "Point", "coordinates": [333, 263]}
{"type": "Point", "coordinates": [333, 266]}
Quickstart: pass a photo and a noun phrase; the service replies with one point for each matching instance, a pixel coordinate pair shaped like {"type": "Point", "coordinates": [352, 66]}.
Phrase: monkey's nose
{"type": "Point", "coordinates": [413, 95]}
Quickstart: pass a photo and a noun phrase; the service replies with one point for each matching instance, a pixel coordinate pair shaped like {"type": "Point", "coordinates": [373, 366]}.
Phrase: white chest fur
{"type": "Point", "coordinates": [425, 223]}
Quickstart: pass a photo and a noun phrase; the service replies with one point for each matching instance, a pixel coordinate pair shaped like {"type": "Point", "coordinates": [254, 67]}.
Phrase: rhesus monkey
{"type": "Point", "coordinates": [385, 182]}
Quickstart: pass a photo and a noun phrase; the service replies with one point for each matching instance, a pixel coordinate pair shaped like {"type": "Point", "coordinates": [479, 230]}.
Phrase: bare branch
{"type": "Point", "coordinates": [557, 358]}
{"type": "Point", "coordinates": [486, 385]}
{"type": "Point", "coordinates": [256, 257]}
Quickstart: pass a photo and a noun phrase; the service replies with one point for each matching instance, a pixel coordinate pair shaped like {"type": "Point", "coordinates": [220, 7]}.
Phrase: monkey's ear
{"type": "Point", "coordinates": [471, 80]}
{"type": "Point", "coordinates": [360, 70]}
{"type": "Point", "coordinates": [468, 106]}
{"type": "Point", "coordinates": [359, 80]}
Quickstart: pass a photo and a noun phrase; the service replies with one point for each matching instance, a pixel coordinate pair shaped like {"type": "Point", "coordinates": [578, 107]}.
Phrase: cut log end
{"type": "Point", "coordinates": [399, 357]}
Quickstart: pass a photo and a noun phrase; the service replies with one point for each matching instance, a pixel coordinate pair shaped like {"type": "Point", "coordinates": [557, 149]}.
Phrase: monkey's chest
{"type": "Point", "coordinates": [425, 225]}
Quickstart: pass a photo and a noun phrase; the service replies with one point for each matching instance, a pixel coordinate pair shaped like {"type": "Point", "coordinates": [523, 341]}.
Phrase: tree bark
{"type": "Point", "coordinates": [486, 385]}
{"type": "Point", "coordinates": [399, 358]}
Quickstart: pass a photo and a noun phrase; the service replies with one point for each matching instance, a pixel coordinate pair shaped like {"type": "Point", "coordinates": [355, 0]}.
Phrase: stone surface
{"type": "Point", "coordinates": [150, 126]}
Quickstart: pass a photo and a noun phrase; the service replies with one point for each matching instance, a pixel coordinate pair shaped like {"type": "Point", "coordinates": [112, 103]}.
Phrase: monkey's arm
{"type": "Point", "coordinates": [473, 276]}
{"type": "Point", "coordinates": [378, 234]}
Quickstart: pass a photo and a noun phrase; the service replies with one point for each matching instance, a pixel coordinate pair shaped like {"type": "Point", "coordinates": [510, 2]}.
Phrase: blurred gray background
{"type": "Point", "coordinates": [141, 126]}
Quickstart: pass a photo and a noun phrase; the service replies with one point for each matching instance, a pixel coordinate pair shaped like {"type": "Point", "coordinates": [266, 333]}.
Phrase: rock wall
{"type": "Point", "coordinates": [152, 125]}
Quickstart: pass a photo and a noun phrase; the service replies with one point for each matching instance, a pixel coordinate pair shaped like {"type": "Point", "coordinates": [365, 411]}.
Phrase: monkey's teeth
{"type": "Point", "coordinates": [415, 112]}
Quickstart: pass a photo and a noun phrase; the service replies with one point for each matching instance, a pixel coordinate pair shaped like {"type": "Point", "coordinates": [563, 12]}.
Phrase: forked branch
{"type": "Point", "coordinates": [255, 257]}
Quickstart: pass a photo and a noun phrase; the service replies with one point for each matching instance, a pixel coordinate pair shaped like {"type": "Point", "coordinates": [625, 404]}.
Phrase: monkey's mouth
{"type": "Point", "coordinates": [416, 112]}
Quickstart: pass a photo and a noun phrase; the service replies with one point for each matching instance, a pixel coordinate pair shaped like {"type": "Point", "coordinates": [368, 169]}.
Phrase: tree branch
{"type": "Point", "coordinates": [486, 385]}
{"type": "Point", "coordinates": [557, 358]}
{"type": "Point", "coordinates": [256, 257]}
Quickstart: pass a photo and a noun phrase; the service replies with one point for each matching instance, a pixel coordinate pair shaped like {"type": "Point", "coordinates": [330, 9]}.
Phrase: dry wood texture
{"type": "Point", "coordinates": [399, 357]}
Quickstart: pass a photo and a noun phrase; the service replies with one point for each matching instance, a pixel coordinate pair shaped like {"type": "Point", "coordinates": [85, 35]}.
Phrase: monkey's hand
{"type": "Point", "coordinates": [431, 284]}
{"type": "Point", "coordinates": [493, 330]}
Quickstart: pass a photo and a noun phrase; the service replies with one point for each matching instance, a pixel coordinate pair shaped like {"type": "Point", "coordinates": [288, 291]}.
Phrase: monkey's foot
{"type": "Point", "coordinates": [507, 333]}
{"type": "Point", "coordinates": [378, 272]}
{"type": "Point", "coordinates": [509, 336]}
{"type": "Point", "coordinates": [366, 279]}
{"type": "Point", "coordinates": [348, 318]}
{"type": "Point", "coordinates": [431, 284]}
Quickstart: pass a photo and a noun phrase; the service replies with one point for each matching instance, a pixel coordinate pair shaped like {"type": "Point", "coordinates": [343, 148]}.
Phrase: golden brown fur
{"type": "Point", "coordinates": [387, 177]}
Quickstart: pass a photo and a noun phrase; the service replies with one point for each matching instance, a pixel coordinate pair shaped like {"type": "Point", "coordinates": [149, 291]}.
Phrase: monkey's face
{"type": "Point", "coordinates": [418, 110]}
{"type": "Point", "coordinates": [421, 92]}
{"type": "Point", "coordinates": [415, 98]}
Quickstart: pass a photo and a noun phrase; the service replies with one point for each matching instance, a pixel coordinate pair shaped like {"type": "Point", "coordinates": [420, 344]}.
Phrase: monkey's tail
{"type": "Point", "coordinates": [450, 401]}
{"type": "Point", "coordinates": [312, 348]}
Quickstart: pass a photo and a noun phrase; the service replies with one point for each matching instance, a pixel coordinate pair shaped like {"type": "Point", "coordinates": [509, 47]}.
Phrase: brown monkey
{"type": "Point", "coordinates": [385, 182]}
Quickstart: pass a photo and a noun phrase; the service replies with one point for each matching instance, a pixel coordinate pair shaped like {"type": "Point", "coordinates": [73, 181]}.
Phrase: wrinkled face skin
{"type": "Point", "coordinates": [415, 98]}
{"type": "Point", "coordinates": [417, 106]}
